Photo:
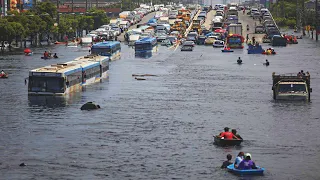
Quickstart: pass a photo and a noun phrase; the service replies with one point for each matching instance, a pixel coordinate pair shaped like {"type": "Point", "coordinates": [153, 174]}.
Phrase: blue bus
{"type": "Point", "coordinates": [146, 47]}
{"type": "Point", "coordinates": [112, 49]}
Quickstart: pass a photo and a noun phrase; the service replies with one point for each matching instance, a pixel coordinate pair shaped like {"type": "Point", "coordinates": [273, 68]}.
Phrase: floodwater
{"type": "Point", "coordinates": [163, 127]}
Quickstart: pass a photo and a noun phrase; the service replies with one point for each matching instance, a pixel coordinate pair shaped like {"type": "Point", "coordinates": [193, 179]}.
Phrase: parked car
{"type": "Point", "coordinates": [259, 29]}
{"type": "Point", "coordinates": [256, 15]}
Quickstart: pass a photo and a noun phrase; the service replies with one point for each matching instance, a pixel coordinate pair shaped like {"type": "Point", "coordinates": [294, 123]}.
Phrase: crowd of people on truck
{"type": "Point", "coordinates": [301, 74]}
{"type": "Point", "coordinates": [242, 162]}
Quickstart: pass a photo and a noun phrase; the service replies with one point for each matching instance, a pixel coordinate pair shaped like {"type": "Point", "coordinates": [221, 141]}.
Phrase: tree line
{"type": "Point", "coordinates": [285, 13]}
{"type": "Point", "coordinates": [44, 22]}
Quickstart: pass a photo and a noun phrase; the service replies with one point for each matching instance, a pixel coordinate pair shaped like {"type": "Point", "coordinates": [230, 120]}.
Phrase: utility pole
{"type": "Point", "coordinates": [297, 16]}
{"type": "Point", "coordinates": [86, 5]}
{"type": "Point", "coordinates": [302, 19]}
{"type": "Point", "coordinates": [316, 24]}
{"type": "Point", "coordinates": [72, 6]}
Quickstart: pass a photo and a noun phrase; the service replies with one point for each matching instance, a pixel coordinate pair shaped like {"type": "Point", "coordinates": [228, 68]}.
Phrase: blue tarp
{"type": "Point", "coordinates": [255, 49]}
{"type": "Point", "coordinates": [152, 21]}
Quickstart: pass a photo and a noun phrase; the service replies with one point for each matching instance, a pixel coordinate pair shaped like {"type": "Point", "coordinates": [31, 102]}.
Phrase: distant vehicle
{"type": "Point", "coordinates": [256, 15]}
{"type": "Point", "coordinates": [291, 87]}
{"type": "Point", "coordinates": [189, 43]}
{"type": "Point", "coordinates": [146, 47]}
{"type": "Point", "coordinates": [259, 29]}
{"type": "Point", "coordinates": [192, 36]}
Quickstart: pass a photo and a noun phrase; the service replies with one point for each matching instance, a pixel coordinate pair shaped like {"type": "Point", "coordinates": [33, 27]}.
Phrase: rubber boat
{"type": "Point", "coordinates": [225, 142]}
{"type": "Point", "coordinates": [257, 49]}
{"type": "Point", "coordinates": [258, 171]}
{"type": "Point", "coordinates": [3, 75]}
{"type": "Point", "coordinates": [268, 52]}
{"type": "Point", "coordinates": [50, 57]}
{"type": "Point", "coordinates": [226, 50]}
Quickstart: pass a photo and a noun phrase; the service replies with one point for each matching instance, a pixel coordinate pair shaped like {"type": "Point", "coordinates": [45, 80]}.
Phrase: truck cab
{"type": "Point", "coordinates": [291, 87]}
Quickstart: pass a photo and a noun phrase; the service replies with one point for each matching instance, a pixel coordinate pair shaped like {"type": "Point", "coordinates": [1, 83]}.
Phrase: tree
{"type": "Point", "coordinates": [18, 31]}
{"type": "Point", "coordinates": [47, 11]}
{"type": "Point", "coordinates": [99, 16]}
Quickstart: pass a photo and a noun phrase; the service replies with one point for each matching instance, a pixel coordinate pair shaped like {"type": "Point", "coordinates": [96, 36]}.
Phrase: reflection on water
{"type": "Point", "coordinates": [53, 101]}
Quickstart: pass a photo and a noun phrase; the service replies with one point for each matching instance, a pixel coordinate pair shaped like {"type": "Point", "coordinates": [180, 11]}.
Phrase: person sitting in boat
{"type": "Point", "coordinates": [234, 132]}
{"type": "Point", "coordinates": [247, 163]}
{"type": "Point", "coordinates": [227, 134]}
{"type": "Point", "coordinates": [55, 55]}
{"type": "Point", "coordinates": [226, 163]}
{"type": "Point", "coordinates": [2, 72]}
{"type": "Point", "coordinates": [239, 159]}
{"type": "Point", "coordinates": [49, 53]}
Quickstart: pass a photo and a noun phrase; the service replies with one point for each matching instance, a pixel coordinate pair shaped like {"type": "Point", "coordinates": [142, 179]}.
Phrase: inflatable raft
{"type": "Point", "coordinates": [4, 76]}
{"type": "Point", "coordinates": [258, 171]}
{"type": "Point", "coordinates": [225, 50]}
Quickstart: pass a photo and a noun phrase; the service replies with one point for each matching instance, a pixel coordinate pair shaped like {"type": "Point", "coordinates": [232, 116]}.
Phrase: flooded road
{"type": "Point", "coordinates": [161, 128]}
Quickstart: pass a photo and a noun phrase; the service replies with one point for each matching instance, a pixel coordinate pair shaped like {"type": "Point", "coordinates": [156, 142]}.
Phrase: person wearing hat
{"type": "Point", "coordinates": [227, 134]}
{"type": "Point", "coordinates": [247, 163]}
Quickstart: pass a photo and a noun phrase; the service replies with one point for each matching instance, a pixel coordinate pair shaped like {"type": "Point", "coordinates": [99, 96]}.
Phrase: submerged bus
{"type": "Point", "coordinates": [111, 49]}
{"type": "Point", "coordinates": [146, 47]}
{"type": "Point", "coordinates": [64, 78]}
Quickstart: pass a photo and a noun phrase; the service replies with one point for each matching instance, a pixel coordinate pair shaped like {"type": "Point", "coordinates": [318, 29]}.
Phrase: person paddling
{"type": "Point", "coordinates": [55, 55]}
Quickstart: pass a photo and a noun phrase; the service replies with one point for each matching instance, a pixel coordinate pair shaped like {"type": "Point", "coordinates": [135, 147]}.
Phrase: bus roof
{"type": "Point", "coordinates": [106, 44]}
{"type": "Point", "coordinates": [83, 62]}
{"type": "Point", "coordinates": [146, 40]}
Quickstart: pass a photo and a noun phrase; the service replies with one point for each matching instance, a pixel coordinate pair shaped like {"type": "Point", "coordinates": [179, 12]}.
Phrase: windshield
{"type": "Point", "coordinates": [46, 84]}
{"type": "Point", "coordinates": [291, 88]}
{"type": "Point", "coordinates": [101, 51]}
{"type": "Point", "coordinates": [143, 47]}
{"type": "Point", "coordinates": [234, 40]}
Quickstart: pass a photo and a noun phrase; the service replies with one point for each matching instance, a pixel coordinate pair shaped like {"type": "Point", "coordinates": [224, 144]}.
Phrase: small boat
{"type": "Point", "coordinates": [50, 57]}
{"type": "Point", "coordinates": [258, 171]}
{"type": "Point", "coordinates": [57, 42]}
{"type": "Point", "coordinates": [218, 43]}
{"type": "Point", "coordinates": [225, 142]}
{"type": "Point", "coordinates": [226, 50]}
{"type": "Point", "coordinates": [28, 54]}
{"type": "Point", "coordinates": [4, 76]}
{"type": "Point", "coordinates": [269, 52]}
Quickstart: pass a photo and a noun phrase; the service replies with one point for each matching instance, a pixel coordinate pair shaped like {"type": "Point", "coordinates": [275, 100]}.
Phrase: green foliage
{"type": "Point", "coordinates": [99, 17]}
{"type": "Point", "coordinates": [18, 29]}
